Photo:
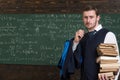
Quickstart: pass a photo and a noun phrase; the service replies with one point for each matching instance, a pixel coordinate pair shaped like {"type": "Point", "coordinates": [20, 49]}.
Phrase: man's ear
{"type": "Point", "coordinates": [98, 17]}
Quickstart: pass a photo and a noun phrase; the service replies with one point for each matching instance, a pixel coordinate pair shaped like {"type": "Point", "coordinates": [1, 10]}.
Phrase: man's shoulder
{"type": "Point", "coordinates": [110, 33]}
{"type": "Point", "coordinates": [105, 29]}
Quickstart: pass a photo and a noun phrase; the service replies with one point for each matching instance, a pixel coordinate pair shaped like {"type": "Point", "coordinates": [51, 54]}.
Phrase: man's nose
{"type": "Point", "coordinates": [88, 19]}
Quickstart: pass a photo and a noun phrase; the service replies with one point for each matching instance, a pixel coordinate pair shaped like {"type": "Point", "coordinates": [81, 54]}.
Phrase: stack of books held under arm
{"type": "Point", "coordinates": [108, 60]}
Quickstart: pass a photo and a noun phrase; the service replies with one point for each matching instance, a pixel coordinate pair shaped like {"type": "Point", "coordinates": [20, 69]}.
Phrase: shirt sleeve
{"type": "Point", "coordinates": [74, 46]}
{"type": "Point", "coordinates": [111, 38]}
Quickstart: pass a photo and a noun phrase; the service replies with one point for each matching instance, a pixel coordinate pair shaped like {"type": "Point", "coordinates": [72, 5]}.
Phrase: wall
{"type": "Point", "coordinates": [56, 6]}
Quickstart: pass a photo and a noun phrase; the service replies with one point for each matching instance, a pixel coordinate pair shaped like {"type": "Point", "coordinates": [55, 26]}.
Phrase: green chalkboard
{"type": "Point", "coordinates": [37, 39]}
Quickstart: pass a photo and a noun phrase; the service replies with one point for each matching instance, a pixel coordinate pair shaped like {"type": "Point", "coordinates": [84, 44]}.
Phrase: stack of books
{"type": "Point", "coordinates": [108, 60]}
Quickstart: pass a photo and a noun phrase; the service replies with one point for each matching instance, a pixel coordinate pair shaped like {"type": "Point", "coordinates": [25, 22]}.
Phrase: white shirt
{"type": "Point", "coordinates": [109, 38]}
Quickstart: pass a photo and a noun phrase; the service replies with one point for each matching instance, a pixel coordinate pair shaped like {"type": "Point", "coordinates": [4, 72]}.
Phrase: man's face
{"type": "Point", "coordinates": [90, 19]}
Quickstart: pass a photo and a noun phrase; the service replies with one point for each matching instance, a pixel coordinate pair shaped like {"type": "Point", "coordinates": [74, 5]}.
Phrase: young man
{"type": "Point", "coordinates": [85, 45]}
{"type": "Point", "coordinates": [96, 34]}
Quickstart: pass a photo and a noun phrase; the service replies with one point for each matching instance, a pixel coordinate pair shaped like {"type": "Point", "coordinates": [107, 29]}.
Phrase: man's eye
{"type": "Point", "coordinates": [91, 17]}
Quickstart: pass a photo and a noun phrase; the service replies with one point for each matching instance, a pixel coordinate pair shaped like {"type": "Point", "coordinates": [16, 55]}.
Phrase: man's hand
{"type": "Point", "coordinates": [102, 77]}
{"type": "Point", "coordinates": [78, 35]}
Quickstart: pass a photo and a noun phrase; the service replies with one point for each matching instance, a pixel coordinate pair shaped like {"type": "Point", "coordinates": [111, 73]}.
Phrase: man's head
{"type": "Point", "coordinates": [91, 17]}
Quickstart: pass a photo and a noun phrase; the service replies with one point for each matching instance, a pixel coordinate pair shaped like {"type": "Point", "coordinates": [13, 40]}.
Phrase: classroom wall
{"type": "Point", "coordinates": [46, 72]}
{"type": "Point", "coordinates": [56, 6]}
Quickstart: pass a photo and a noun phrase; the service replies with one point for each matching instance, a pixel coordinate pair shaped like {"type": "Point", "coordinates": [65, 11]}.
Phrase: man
{"type": "Point", "coordinates": [96, 34]}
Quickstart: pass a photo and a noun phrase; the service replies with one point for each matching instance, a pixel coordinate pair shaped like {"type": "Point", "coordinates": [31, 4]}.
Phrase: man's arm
{"type": "Point", "coordinates": [78, 36]}
{"type": "Point", "coordinates": [111, 38]}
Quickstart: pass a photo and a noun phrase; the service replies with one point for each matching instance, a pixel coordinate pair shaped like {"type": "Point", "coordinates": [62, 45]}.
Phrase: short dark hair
{"type": "Point", "coordinates": [91, 7]}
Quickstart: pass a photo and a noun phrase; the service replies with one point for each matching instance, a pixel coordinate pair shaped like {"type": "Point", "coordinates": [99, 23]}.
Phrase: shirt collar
{"type": "Point", "coordinates": [98, 27]}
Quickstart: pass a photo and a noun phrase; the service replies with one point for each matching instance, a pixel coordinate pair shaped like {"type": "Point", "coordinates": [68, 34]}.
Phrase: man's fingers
{"type": "Point", "coordinates": [102, 77]}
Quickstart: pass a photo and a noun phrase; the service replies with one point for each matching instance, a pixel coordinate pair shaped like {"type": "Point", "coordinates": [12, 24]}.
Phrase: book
{"type": "Point", "coordinates": [107, 46]}
{"type": "Point", "coordinates": [106, 52]}
{"type": "Point", "coordinates": [115, 70]}
{"type": "Point", "coordinates": [109, 66]}
{"type": "Point", "coordinates": [106, 59]}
